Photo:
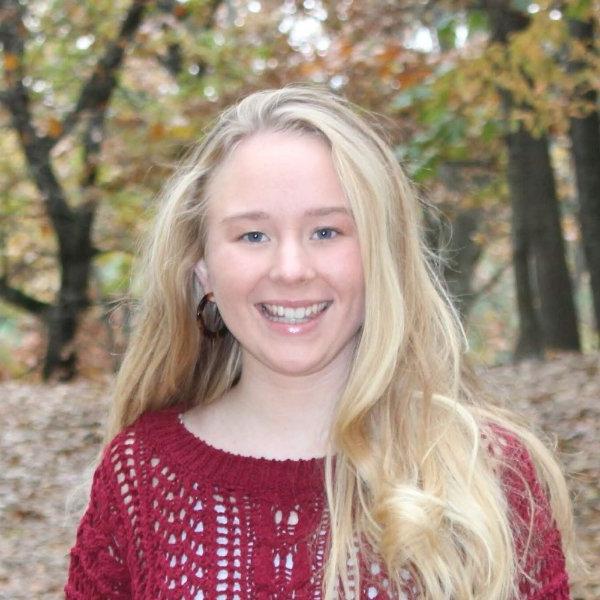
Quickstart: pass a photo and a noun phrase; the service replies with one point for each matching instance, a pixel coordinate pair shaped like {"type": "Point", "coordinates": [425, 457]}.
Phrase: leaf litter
{"type": "Point", "coordinates": [51, 435]}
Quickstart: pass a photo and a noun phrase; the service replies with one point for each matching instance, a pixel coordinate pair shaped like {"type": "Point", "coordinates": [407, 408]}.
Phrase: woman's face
{"type": "Point", "coordinates": [282, 254]}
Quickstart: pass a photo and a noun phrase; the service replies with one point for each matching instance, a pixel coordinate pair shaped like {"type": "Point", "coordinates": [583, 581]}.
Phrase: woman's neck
{"type": "Point", "coordinates": [273, 414]}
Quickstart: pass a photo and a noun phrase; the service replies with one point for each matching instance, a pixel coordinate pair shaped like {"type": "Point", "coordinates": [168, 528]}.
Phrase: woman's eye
{"type": "Point", "coordinates": [326, 233]}
{"type": "Point", "coordinates": [254, 236]}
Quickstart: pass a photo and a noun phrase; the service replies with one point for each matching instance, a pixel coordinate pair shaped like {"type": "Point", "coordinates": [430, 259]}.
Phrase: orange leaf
{"type": "Point", "coordinates": [310, 68]}
{"type": "Point", "coordinates": [412, 76]}
{"type": "Point", "coordinates": [157, 131]}
{"type": "Point", "coordinates": [180, 11]}
{"type": "Point", "coordinates": [11, 61]}
{"type": "Point", "coordinates": [389, 54]}
{"type": "Point", "coordinates": [54, 127]}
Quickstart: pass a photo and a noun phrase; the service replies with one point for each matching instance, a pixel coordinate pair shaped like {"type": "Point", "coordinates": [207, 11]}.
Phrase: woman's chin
{"type": "Point", "coordinates": [296, 368]}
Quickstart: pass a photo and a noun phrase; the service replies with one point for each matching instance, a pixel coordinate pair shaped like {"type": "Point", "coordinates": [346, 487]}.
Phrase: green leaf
{"type": "Point", "coordinates": [477, 21]}
{"type": "Point", "coordinates": [113, 272]}
{"type": "Point", "coordinates": [521, 5]}
{"type": "Point", "coordinates": [490, 131]}
{"type": "Point", "coordinates": [411, 96]}
{"type": "Point", "coordinates": [578, 9]}
{"type": "Point", "coordinates": [446, 33]}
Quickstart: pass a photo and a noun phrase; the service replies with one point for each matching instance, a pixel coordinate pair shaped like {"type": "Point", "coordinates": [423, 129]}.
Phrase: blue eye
{"type": "Point", "coordinates": [326, 233]}
{"type": "Point", "coordinates": [254, 237]}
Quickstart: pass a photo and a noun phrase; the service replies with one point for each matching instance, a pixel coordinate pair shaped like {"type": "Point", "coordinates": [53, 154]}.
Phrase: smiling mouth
{"type": "Point", "coordinates": [292, 316]}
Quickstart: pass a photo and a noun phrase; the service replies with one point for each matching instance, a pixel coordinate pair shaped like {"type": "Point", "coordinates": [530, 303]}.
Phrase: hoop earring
{"type": "Point", "coordinates": [215, 319]}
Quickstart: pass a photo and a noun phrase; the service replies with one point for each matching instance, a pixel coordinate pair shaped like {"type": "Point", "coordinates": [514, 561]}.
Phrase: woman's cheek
{"type": "Point", "coordinates": [347, 260]}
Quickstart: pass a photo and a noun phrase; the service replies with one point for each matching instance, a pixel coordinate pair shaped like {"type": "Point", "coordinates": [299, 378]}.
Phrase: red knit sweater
{"type": "Point", "coordinates": [171, 517]}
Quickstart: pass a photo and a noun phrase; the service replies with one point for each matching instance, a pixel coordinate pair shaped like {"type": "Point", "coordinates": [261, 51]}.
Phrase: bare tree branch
{"type": "Point", "coordinates": [96, 92]}
{"type": "Point", "coordinates": [489, 284]}
{"type": "Point", "coordinates": [16, 99]}
{"type": "Point", "coordinates": [172, 60]}
{"type": "Point", "coordinates": [73, 226]}
{"type": "Point", "coordinates": [20, 299]}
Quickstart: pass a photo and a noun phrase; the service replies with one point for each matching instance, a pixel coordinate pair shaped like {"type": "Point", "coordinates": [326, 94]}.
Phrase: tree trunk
{"type": "Point", "coordinates": [529, 340]}
{"type": "Point", "coordinates": [452, 241]}
{"type": "Point", "coordinates": [546, 299]}
{"type": "Point", "coordinates": [72, 300]}
{"type": "Point", "coordinates": [533, 196]}
{"type": "Point", "coordinates": [585, 149]}
{"type": "Point", "coordinates": [464, 256]}
{"type": "Point", "coordinates": [73, 227]}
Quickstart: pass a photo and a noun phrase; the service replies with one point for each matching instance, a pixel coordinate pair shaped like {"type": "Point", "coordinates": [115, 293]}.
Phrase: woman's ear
{"type": "Point", "coordinates": [201, 272]}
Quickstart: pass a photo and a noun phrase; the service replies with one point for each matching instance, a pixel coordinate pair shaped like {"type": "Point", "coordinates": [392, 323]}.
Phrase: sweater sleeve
{"type": "Point", "coordinates": [537, 538]}
{"type": "Point", "coordinates": [98, 567]}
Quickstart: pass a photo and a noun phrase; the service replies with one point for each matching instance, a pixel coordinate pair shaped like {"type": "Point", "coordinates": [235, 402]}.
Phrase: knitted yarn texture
{"type": "Point", "coordinates": [172, 517]}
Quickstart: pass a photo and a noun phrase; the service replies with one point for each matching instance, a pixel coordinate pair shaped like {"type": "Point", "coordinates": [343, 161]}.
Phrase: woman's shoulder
{"type": "Point", "coordinates": [529, 475]}
{"type": "Point", "coordinates": [513, 459]}
{"type": "Point", "coordinates": [508, 446]}
{"type": "Point", "coordinates": [128, 450]}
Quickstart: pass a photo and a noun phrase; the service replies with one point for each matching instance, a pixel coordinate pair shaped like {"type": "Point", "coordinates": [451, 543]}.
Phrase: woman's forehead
{"type": "Point", "coordinates": [267, 153]}
{"type": "Point", "coordinates": [271, 171]}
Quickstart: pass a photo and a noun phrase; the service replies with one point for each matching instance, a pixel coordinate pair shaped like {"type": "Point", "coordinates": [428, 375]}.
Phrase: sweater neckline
{"type": "Point", "coordinates": [186, 451]}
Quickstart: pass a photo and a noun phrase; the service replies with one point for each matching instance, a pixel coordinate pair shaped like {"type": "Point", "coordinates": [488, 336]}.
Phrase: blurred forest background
{"type": "Point", "coordinates": [492, 108]}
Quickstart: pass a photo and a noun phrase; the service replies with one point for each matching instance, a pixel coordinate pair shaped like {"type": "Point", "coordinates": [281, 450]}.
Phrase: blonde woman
{"type": "Point", "coordinates": [293, 417]}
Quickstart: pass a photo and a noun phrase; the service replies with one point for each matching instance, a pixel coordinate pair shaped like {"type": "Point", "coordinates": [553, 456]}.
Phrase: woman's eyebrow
{"type": "Point", "coordinates": [258, 215]}
{"type": "Point", "coordinates": [326, 210]}
{"type": "Point", "coordinates": [251, 215]}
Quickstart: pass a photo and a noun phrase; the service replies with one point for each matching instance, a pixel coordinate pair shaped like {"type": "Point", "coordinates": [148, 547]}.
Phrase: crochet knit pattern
{"type": "Point", "coordinates": [172, 517]}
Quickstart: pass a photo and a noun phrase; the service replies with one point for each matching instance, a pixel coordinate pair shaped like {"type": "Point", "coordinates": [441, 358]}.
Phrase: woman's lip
{"type": "Point", "coordinates": [294, 303]}
{"type": "Point", "coordinates": [303, 326]}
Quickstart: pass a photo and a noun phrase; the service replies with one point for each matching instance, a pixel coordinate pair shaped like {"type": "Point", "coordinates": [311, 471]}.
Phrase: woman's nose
{"type": "Point", "coordinates": [292, 263]}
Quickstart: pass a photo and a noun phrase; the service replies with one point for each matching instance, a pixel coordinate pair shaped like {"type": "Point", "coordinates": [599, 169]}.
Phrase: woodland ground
{"type": "Point", "coordinates": [51, 434]}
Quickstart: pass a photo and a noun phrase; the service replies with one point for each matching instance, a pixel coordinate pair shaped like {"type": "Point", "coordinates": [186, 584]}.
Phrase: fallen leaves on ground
{"type": "Point", "coordinates": [51, 435]}
{"type": "Point", "coordinates": [561, 399]}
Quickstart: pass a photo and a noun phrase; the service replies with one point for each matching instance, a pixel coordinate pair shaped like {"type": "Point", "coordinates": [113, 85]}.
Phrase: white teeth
{"type": "Point", "coordinates": [286, 314]}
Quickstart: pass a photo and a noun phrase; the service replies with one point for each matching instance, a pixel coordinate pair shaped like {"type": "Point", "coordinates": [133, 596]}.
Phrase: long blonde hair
{"type": "Point", "coordinates": [413, 482]}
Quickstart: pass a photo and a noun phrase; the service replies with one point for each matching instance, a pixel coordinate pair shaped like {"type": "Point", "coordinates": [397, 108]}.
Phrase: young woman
{"type": "Point", "coordinates": [294, 417]}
